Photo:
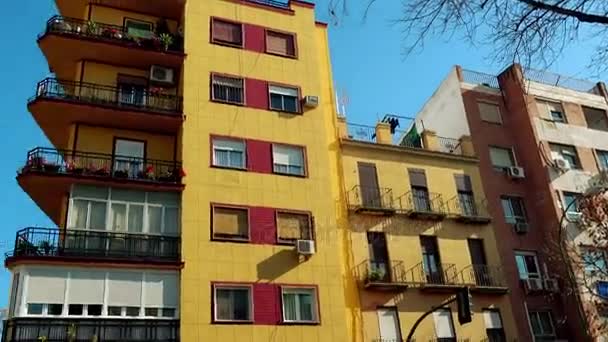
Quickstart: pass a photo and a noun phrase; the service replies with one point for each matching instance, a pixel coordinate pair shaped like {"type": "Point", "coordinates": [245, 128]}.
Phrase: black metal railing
{"type": "Point", "coordinates": [449, 145]}
{"type": "Point", "coordinates": [421, 202]}
{"type": "Point", "coordinates": [557, 80]}
{"type": "Point", "coordinates": [484, 276]}
{"type": "Point", "coordinates": [142, 99]}
{"type": "Point", "coordinates": [85, 330]}
{"type": "Point", "coordinates": [273, 3]}
{"type": "Point", "coordinates": [363, 197]}
{"type": "Point", "coordinates": [368, 134]}
{"type": "Point", "coordinates": [436, 274]}
{"type": "Point", "coordinates": [148, 40]}
{"type": "Point", "coordinates": [468, 206]}
{"type": "Point", "coordinates": [383, 271]}
{"type": "Point", "coordinates": [475, 77]}
{"type": "Point", "coordinates": [54, 242]}
{"type": "Point", "coordinates": [99, 165]}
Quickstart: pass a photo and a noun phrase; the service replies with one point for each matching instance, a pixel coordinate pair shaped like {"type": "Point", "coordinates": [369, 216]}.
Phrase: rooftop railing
{"type": "Point", "coordinates": [148, 40]}
{"type": "Point", "coordinates": [557, 80]}
{"type": "Point", "coordinates": [480, 78]}
{"type": "Point", "coordinates": [132, 98]}
{"type": "Point", "coordinates": [100, 165]}
{"type": "Point", "coordinates": [273, 3]}
{"type": "Point", "coordinates": [54, 242]}
{"type": "Point", "coordinates": [449, 145]}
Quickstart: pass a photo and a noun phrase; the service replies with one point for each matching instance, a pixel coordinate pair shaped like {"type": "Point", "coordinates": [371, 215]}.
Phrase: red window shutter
{"type": "Point", "coordinates": [262, 225]}
{"type": "Point", "coordinates": [254, 38]}
{"type": "Point", "coordinates": [227, 32]}
{"type": "Point", "coordinates": [259, 156]}
{"type": "Point", "coordinates": [256, 93]}
{"type": "Point", "coordinates": [267, 304]}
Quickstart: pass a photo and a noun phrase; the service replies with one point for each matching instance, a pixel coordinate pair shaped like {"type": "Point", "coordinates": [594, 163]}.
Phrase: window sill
{"type": "Point", "coordinates": [240, 104]}
{"type": "Point", "coordinates": [227, 239]}
{"type": "Point", "coordinates": [244, 169]}
{"type": "Point", "coordinates": [232, 322]}
{"type": "Point", "coordinates": [289, 174]}
{"type": "Point", "coordinates": [227, 44]}
{"type": "Point", "coordinates": [278, 54]}
{"type": "Point", "coordinates": [492, 123]}
{"type": "Point", "coordinates": [300, 323]}
{"type": "Point", "coordinates": [285, 112]}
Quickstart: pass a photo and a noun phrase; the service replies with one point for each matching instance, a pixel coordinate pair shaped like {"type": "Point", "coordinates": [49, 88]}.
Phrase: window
{"type": "Point", "coordinates": [284, 99]}
{"type": "Point", "coordinates": [602, 158]}
{"type": "Point", "coordinates": [139, 29]}
{"type": "Point", "coordinates": [227, 89]}
{"type": "Point", "coordinates": [132, 311]}
{"type": "Point", "coordinates": [514, 210]}
{"type": "Point", "coordinates": [132, 90]}
{"type": "Point", "coordinates": [494, 328]}
{"type": "Point", "coordinates": [114, 311]}
{"type": "Point", "coordinates": [233, 304]}
{"type": "Point", "coordinates": [229, 153]}
{"type": "Point", "coordinates": [570, 199]}
{"type": "Point", "coordinates": [489, 112]}
{"type": "Point", "coordinates": [552, 111]}
{"type": "Point", "coordinates": [230, 223]}
{"type": "Point", "coordinates": [596, 118]}
{"type": "Point", "coordinates": [34, 309]}
{"type": "Point", "coordinates": [14, 294]}
{"type": "Point", "coordinates": [527, 265]}
{"type": "Point", "coordinates": [226, 32]}
{"type": "Point", "coordinates": [54, 309]}
{"type": "Point", "coordinates": [444, 325]}
{"type": "Point", "coordinates": [566, 152]}
{"type": "Point", "coordinates": [542, 324]}
{"type": "Point", "coordinates": [128, 158]}
{"type": "Point", "coordinates": [299, 305]}
{"type": "Point", "coordinates": [594, 262]}
{"type": "Point", "coordinates": [501, 157]}
{"type": "Point", "coordinates": [280, 43]}
{"type": "Point", "coordinates": [75, 310]}
{"type": "Point", "coordinates": [293, 226]}
{"type": "Point", "coordinates": [288, 160]}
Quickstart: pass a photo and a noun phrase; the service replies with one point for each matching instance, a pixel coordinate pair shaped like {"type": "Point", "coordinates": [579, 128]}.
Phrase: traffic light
{"type": "Point", "coordinates": [465, 304]}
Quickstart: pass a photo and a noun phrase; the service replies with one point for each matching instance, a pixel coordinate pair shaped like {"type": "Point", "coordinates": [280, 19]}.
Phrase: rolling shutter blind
{"type": "Point", "coordinates": [283, 91]}
{"type": "Point", "coordinates": [227, 32]}
{"type": "Point", "coordinates": [280, 43]}
{"type": "Point", "coordinates": [287, 155]}
{"type": "Point", "coordinates": [417, 178]}
{"type": "Point", "coordinates": [86, 287]}
{"type": "Point", "coordinates": [124, 289]}
{"type": "Point", "coordinates": [463, 183]}
{"type": "Point", "coordinates": [443, 324]}
{"type": "Point", "coordinates": [492, 319]}
{"type": "Point", "coordinates": [161, 290]}
{"type": "Point", "coordinates": [46, 286]}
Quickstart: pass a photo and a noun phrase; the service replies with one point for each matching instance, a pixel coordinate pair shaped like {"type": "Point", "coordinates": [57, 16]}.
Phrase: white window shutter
{"type": "Point", "coordinates": [46, 286]}
{"type": "Point", "coordinates": [86, 287]}
{"type": "Point", "coordinates": [283, 91]}
{"type": "Point", "coordinates": [492, 319]}
{"type": "Point", "coordinates": [161, 290]}
{"type": "Point", "coordinates": [287, 155]}
{"type": "Point", "coordinates": [124, 288]}
{"type": "Point", "coordinates": [444, 327]}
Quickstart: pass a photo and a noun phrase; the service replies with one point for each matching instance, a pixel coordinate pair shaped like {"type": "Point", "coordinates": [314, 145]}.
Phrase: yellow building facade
{"type": "Point", "coordinates": [417, 232]}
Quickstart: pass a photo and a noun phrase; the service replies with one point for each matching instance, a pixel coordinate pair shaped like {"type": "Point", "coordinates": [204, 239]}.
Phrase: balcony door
{"type": "Point", "coordinates": [479, 262]}
{"type": "Point", "coordinates": [388, 321]}
{"type": "Point", "coordinates": [129, 156]}
{"type": "Point", "coordinates": [368, 181]}
{"type": "Point", "coordinates": [378, 256]}
{"type": "Point", "coordinates": [465, 195]}
{"type": "Point", "coordinates": [431, 262]}
{"type": "Point", "coordinates": [420, 192]}
{"type": "Point", "coordinates": [132, 90]}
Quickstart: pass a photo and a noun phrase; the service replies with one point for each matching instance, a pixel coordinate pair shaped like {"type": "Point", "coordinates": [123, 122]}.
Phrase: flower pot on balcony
{"type": "Point", "coordinates": [51, 168]}
{"type": "Point", "coordinates": [121, 174]}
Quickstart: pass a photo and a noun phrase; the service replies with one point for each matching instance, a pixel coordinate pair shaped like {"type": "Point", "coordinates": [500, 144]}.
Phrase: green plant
{"type": "Point", "coordinates": [92, 27]}
{"type": "Point", "coordinates": [166, 40]}
{"type": "Point", "coordinates": [46, 246]}
{"type": "Point", "coordinates": [374, 276]}
{"type": "Point", "coordinates": [94, 338]}
{"type": "Point", "coordinates": [43, 338]}
{"type": "Point", "coordinates": [72, 333]}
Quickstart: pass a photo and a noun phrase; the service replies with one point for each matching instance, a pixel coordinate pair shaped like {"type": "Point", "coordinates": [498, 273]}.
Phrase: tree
{"type": "Point", "coordinates": [530, 32]}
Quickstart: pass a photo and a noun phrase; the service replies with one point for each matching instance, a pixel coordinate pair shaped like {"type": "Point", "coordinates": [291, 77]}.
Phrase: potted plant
{"type": "Point", "coordinates": [148, 173]}
{"type": "Point", "coordinates": [71, 167]}
{"type": "Point", "coordinates": [35, 163]}
{"type": "Point", "coordinates": [166, 40]}
{"type": "Point", "coordinates": [50, 167]}
{"type": "Point", "coordinates": [71, 333]}
{"type": "Point", "coordinates": [46, 247]}
{"type": "Point", "coordinates": [374, 276]}
{"type": "Point", "coordinates": [92, 28]}
{"type": "Point", "coordinates": [121, 173]}
{"type": "Point", "coordinates": [43, 339]}
{"type": "Point", "coordinates": [111, 32]}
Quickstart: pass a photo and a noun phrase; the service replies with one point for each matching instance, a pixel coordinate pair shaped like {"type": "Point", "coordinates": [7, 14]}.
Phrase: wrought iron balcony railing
{"type": "Point", "coordinates": [99, 165]}
{"type": "Point", "coordinates": [421, 202]}
{"type": "Point", "coordinates": [87, 29]}
{"type": "Point", "coordinates": [436, 274]}
{"type": "Point", "coordinates": [379, 271]}
{"type": "Point", "coordinates": [88, 329]}
{"type": "Point", "coordinates": [468, 208]}
{"type": "Point", "coordinates": [72, 243]}
{"type": "Point", "coordinates": [273, 3]}
{"type": "Point", "coordinates": [132, 98]}
{"type": "Point", "coordinates": [370, 198]}
{"type": "Point", "coordinates": [449, 145]}
{"type": "Point", "coordinates": [484, 276]}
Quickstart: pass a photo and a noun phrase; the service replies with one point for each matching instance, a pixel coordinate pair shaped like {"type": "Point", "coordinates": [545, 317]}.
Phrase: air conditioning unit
{"type": "Point", "coordinates": [521, 227]}
{"type": "Point", "coordinates": [574, 216]}
{"type": "Point", "coordinates": [311, 101]}
{"type": "Point", "coordinates": [305, 247]}
{"type": "Point", "coordinates": [159, 74]}
{"type": "Point", "coordinates": [561, 163]}
{"type": "Point", "coordinates": [551, 285]}
{"type": "Point", "coordinates": [516, 172]}
{"type": "Point", "coordinates": [533, 285]}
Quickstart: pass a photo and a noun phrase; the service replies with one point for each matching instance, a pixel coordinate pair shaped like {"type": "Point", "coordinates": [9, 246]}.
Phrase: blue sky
{"type": "Point", "coordinates": [367, 61]}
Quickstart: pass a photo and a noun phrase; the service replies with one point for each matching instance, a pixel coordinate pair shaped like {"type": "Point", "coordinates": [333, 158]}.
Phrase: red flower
{"type": "Point", "coordinates": [149, 169]}
{"type": "Point", "coordinates": [182, 173]}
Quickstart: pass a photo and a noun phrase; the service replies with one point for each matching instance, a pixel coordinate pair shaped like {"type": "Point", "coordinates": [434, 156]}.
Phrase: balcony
{"type": "Point", "coordinates": [82, 329]}
{"type": "Point", "coordinates": [370, 200]}
{"type": "Point", "coordinates": [422, 205]}
{"type": "Point", "coordinates": [485, 279]}
{"type": "Point", "coordinates": [67, 41]}
{"type": "Point", "coordinates": [172, 9]}
{"type": "Point", "coordinates": [384, 275]}
{"type": "Point", "coordinates": [469, 211]}
{"type": "Point", "coordinates": [436, 278]}
{"type": "Point", "coordinates": [54, 244]}
{"type": "Point", "coordinates": [58, 104]}
{"type": "Point", "coordinates": [49, 174]}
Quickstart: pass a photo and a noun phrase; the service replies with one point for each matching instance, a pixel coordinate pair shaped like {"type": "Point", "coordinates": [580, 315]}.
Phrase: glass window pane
{"type": "Point", "coordinates": [151, 312]}
{"type": "Point", "coordinates": [603, 158]}
{"type": "Point", "coordinates": [171, 221]}
{"type": "Point", "coordinates": [501, 157]}
{"type": "Point", "coordinates": [75, 309]}
{"type": "Point", "coordinates": [119, 217]}
{"type": "Point", "coordinates": [94, 310]}
{"type": "Point", "coordinates": [276, 101]}
{"type": "Point", "coordinates": [54, 309]}
{"type": "Point", "coordinates": [34, 309]}
{"type": "Point", "coordinates": [241, 304]}
{"type": "Point", "coordinates": [531, 264]}
{"type": "Point", "coordinates": [136, 218]}
{"type": "Point", "coordinates": [154, 219]}
{"type": "Point", "coordinates": [132, 311]}
{"type": "Point", "coordinates": [306, 307]}
{"type": "Point", "coordinates": [521, 267]}
{"type": "Point", "coordinates": [545, 323]}
{"type": "Point", "coordinates": [168, 312]}
{"type": "Point", "coordinates": [88, 191]}
{"type": "Point", "coordinates": [289, 307]}
{"type": "Point", "coordinates": [507, 210]}
{"type": "Point", "coordinates": [290, 103]}
{"type": "Point", "coordinates": [97, 219]}
{"type": "Point", "coordinates": [536, 328]}
{"type": "Point", "coordinates": [128, 195]}
{"type": "Point", "coordinates": [114, 311]}
{"type": "Point", "coordinates": [232, 304]}
{"type": "Point", "coordinates": [78, 215]}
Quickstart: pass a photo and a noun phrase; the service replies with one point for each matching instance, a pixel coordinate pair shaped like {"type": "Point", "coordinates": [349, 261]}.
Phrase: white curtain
{"type": "Point", "coordinates": [155, 219]}
{"type": "Point", "coordinates": [119, 217]}
{"type": "Point", "coordinates": [136, 218]}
